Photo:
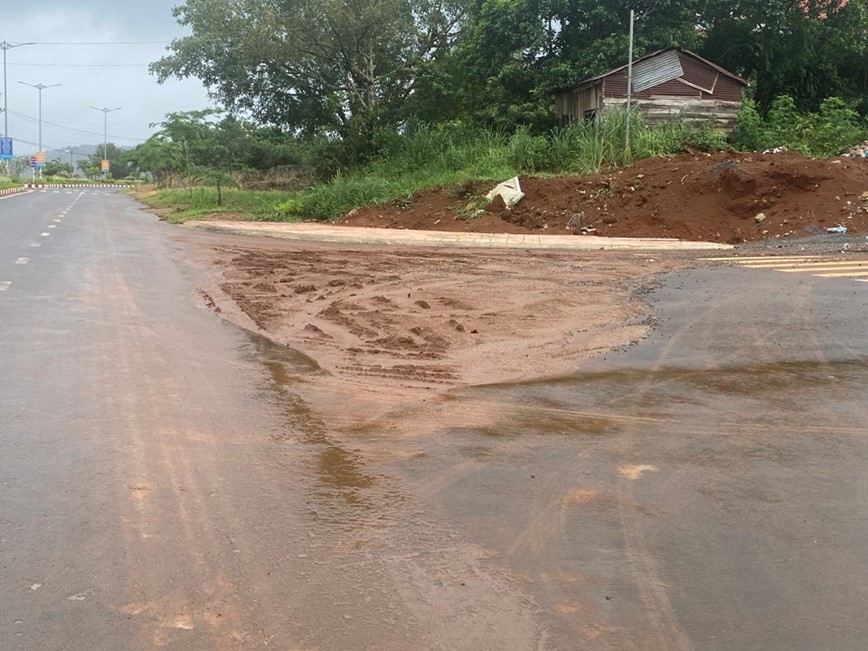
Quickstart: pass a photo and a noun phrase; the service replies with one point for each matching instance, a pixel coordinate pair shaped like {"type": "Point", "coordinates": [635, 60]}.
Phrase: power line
{"type": "Point", "coordinates": [102, 43]}
{"type": "Point", "coordinates": [81, 65]}
{"type": "Point", "coordinates": [24, 116]}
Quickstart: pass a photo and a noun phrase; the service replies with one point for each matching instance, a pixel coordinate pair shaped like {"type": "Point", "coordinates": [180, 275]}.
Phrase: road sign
{"type": "Point", "coordinates": [38, 160]}
{"type": "Point", "coordinates": [6, 149]}
{"type": "Point", "coordinates": [105, 165]}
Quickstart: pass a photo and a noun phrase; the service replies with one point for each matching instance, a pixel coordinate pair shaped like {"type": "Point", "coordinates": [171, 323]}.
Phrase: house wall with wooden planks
{"type": "Point", "coordinates": [660, 109]}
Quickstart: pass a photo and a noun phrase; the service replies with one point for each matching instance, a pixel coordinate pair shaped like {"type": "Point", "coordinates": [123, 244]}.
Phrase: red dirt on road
{"type": "Point", "coordinates": [711, 197]}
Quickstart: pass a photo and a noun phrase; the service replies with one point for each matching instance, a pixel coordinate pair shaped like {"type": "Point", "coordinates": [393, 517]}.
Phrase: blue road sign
{"type": "Point", "coordinates": [6, 149]}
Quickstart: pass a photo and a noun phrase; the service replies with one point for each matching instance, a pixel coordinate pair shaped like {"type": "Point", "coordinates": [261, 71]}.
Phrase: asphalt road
{"type": "Point", "coordinates": [717, 491]}
{"type": "Point", "coordinates": [164, 485]}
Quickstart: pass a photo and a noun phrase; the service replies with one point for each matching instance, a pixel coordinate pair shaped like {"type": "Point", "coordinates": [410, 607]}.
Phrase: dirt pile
{"type": "Point", "coordinates": [715, 197]}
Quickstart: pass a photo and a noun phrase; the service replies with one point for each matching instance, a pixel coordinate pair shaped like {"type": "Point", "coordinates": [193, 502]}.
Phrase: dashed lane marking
{"type": "Point", "coordinates": [52, 226]}
{"type": "Point", "coordinates": [22, 261]}
{"type": "Point", "coordinates": [46, 234]}
{"type": "Point", "coordinates": [35, 245]}
{"type": "Point", "coordinates": [5, 284]}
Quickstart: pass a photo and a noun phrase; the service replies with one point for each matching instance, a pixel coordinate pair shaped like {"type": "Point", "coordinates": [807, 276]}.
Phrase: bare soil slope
{"type": "Point", "coordinates": [713, 197]}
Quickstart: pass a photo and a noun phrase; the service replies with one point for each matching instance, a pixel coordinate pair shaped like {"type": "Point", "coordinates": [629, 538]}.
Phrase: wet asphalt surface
{"type": "Point", "coordinates": [164, 484]}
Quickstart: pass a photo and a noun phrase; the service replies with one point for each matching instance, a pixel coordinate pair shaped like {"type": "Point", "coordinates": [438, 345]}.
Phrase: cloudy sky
{"type": "Point", "coordinates": [99, 51]}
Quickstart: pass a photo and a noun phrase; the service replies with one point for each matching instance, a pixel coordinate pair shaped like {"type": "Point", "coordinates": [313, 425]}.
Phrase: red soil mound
{"type": "Point", "coordinates": [692, 197]}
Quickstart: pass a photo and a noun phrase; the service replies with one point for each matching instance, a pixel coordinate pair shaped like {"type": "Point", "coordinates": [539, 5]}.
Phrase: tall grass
{"type": "Point", "coordinates": [428, 156]}
{"type": "Point", "coordinates": [198, 201]}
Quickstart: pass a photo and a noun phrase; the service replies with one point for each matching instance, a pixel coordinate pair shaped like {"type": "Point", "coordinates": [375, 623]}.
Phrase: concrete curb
{"type": "Point", "coordinates": [4, 193]}
{"type": "Point", "coordinates": [355, 235]}
{"type": "Point", "coordinates": [40, 186]}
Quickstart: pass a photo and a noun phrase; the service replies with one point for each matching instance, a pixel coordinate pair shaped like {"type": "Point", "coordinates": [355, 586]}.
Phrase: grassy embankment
{"type": "Point", "coordinates": [430, 157]}
{"type": "Point", "coordinates": [426, 157]}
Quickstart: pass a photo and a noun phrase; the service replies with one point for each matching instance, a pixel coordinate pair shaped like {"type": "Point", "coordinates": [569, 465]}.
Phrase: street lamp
{"type": "Point", "coordinates": [7, 46]}
{"type": "Point", "coordinates": [105, 112]}
{"type": "Point", "coordinates": [40, 88]}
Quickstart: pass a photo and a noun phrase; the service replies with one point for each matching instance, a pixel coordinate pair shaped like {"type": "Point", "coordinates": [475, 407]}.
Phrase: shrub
{"type": "Point", "coordinates": [826, 133]}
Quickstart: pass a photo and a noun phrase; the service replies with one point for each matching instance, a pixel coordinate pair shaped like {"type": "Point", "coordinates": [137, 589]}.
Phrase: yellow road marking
{"type": "Point", "coordinates": [765, 258]}
{"type": "Point", "coordinates": [844, 274]}
{"type": "Point", "coordinates": [815, 265]}
{"type": "Point", "coordinates": [809, 265]}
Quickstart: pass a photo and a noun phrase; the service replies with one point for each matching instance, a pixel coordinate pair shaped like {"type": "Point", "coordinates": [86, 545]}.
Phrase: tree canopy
{"type": "Point", "coordinates": [335, 80]}
{"type": "Point", "coordinates": [347, 67]}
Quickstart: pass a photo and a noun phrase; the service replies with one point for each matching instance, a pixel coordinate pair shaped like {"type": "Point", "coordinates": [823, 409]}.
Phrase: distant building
{"type": "Point", "coordinates": [674, 82]}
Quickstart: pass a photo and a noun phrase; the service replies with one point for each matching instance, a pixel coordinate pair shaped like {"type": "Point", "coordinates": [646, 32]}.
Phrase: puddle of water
{"type": "Point", "coordinates": [344, 493]}
{"type": "Point", "coordinates": [611, 387]}
{"type": "Point", "coordinates": [603, 403]}
{"type": "Point", "coordinates": [293, 361]}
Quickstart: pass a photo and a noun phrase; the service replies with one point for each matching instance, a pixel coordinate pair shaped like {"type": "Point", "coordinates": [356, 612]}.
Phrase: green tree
{"type": "Point", "coordinates": [806, 49]}
{"type": "Point", "coordinates": [119, 161]}
{"type": "Point", "coordinates": [514, 55]}
{"type": "Point", "coordinates": [57, 168]}
{"type": "Point", "coordinates": [341, 65]}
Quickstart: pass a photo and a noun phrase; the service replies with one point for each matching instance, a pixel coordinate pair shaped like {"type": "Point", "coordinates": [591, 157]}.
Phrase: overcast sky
{"type": "Point", "coordinates": [109, 76]}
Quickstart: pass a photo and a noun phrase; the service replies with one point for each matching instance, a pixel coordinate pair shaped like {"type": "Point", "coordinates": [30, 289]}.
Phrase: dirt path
{"type": "Point", "coordinates": [435, 319]}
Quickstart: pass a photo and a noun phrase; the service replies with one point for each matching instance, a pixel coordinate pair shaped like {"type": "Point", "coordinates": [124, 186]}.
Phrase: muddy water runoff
{"type": "Point", "coordinates": [705, 488]}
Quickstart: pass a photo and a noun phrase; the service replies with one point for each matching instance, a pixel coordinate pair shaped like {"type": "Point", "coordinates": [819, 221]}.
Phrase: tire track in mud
{"type": "Point", "coordinates": [150, 456]}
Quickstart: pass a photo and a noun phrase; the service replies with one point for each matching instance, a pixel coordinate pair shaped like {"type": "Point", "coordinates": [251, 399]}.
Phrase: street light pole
{"type": "Point", "coordinates": [7, 46]}
{"type": "Point", "coordinates": [40, 88]}
{"type": "Point", "coordinates": [105, 112]}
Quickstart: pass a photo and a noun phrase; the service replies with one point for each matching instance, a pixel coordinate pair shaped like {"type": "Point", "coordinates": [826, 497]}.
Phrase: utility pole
{"type": "Point", "coordinates": [629, 89]}
{"type": "Point", "coordinates": [71, 152]}
{"type": "Point", "coordinates": [40, 88]}
{"type": "Point", "coordinates": [7, 46]}
{"type": "Point", "coordinates": [105, 112]}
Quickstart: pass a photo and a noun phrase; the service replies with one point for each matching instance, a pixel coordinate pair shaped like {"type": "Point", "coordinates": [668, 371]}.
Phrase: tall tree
{"type": "Point", "coordinates": [310, 65]}
{"type": "Point", "coordinates": [807, 49]}
{"type": "Point", "coordinates": [516, 53]}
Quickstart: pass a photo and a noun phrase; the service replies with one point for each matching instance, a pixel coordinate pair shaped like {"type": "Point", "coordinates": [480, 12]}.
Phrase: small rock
{"type": "Point", "coordinates": [760, 218]}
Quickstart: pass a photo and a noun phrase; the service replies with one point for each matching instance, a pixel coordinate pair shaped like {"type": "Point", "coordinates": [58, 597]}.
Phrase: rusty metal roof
{"type": "Point", "coordinates": [652, 70]}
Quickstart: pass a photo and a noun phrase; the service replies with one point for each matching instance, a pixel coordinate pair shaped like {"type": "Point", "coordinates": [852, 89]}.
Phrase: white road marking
{"type": "Point", "coordinates": [57, 221]}
{"type": "Point", "coordinates": [46, 234]}
{"type": "Point", "coordinates": [35, 245]}
{"type": "Point", "coordinates": [22, 261]}
{"type": "Point", "coordinates": [52, 226]}
{"type": "Point", "coordinates": [4, 285]}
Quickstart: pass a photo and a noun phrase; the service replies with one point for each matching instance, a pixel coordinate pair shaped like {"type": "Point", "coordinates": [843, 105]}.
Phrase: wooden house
{"type": "Point", "coordinates": [674, 82]}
